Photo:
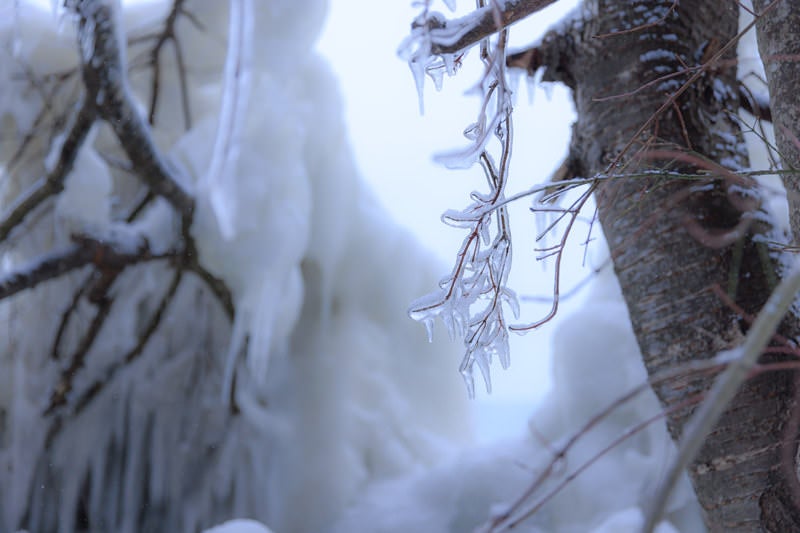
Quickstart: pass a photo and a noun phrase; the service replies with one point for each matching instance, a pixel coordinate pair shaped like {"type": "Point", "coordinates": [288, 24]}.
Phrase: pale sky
{"type": "Point", "coordinates": [394, 147]}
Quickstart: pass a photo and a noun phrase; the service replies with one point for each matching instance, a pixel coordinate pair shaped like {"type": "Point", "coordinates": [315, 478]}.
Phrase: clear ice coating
{"type": "Point", "coordinates": [471, 302]}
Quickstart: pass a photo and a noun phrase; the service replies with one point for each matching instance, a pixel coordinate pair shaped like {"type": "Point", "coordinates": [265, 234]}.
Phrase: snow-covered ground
{"type": "Point", "coordinates": [351, 421]}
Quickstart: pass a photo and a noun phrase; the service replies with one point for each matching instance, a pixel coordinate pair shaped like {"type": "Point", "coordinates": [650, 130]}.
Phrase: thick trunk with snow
{"type": "Point", "coordinates": [673, 240]}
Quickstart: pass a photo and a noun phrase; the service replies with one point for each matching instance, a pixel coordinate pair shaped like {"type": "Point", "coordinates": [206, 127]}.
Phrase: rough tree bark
{"type": "Point", "coordinates": [779, 45]}
{"type": "Point", "coordinates": [655, 89]}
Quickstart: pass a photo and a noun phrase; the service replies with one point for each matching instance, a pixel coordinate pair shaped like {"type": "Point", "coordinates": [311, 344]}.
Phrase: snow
{"type": "Point", "coordinates": [349, 416]}
{"type": "Point", "coordinates": [240, 526]}
{"type": "Point", "coordinates": [597, 362]}
{"type": "Point", "coordinates": [337, 388]}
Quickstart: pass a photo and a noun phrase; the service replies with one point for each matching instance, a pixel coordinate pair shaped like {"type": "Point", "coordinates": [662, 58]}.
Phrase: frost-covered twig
{"type": "Point", "coordinates": [471, 299]}
{"type": "Point", "coordinates": [106, 80]}
{"type": "Point", "coordinates": [725, 388]}
{"type": "Point", "coordinates": [53, 182]}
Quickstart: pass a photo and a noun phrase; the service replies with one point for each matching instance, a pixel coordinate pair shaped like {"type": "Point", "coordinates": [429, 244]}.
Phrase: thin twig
{"type": "Point", "coordinates": [87, 250]}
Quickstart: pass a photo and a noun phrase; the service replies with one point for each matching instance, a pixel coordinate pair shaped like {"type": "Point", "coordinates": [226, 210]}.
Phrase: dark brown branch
{"type": "Point", "coordinates": [106, 80]}
{"type": "Point", "coordinates": [97, 386]}
{"type": "Point", "coordinates": [92, 391]}
{"type": "Point", "coordinates": [756, 105]}
{"type": "Point", "coordinates": [478, 25]}
{"type": "Point", "coordinates": [68, 312]}
{"type": "Point", "coordinates": [105, 253]}
{"type": "Point", "coordinates": [78, 360]}
{"type": "Point", "coordinates": [191, 261]}
{"type": "Point", "coordinates": [167, 35]}
{"type": "Point", "coordinates": [53, 182]}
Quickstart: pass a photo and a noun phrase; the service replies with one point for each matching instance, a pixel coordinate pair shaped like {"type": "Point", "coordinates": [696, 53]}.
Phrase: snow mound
{"type": "Point", "coordinates": [319, 386]}
{"type": "Point", "coordinates": [240, 526]}
{"type": "Point", "coordinates": [596, 361]}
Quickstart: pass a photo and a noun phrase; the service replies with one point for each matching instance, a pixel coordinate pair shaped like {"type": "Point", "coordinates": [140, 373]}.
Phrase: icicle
{"type": "Point", "coordinates": [238, 336]}
{"type": "Point", "coordinates": [235, 95]}
{"type": "Point", "coordinates": [469, 380]}
{"type": "Point", "coordinates": [418, 71]}
{"type": "Point", "coordinates": [484, 360]}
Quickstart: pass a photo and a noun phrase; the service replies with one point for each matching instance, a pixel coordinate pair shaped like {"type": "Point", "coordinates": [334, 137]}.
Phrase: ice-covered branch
{"type": "Point", "coordinates": [53, 182]}
{"type": "Point", "coordinates": [106, 80]}
{"type": "Point", "coordinates": [450, 36]}
{"type": "Point", "coordinates": [472, 300]}
{"type": "Point", "coordinates": [106, 253]}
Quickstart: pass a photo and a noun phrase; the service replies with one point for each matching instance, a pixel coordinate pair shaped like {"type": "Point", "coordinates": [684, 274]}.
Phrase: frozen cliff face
{"type": "Point", "coordinates": [319, 386]}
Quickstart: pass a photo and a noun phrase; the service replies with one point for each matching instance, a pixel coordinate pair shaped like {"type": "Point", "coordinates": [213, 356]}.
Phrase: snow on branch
{"type": "Point", "coordinates": [105, 78]}
{"type": "Point", "coordinates": [436, 44]}
{"type": "Point", "coordinates": [109, 252]}
{"type": "Point", "coordinates": [451, 36]}
{"type": "Point", "coordinates": [53, 182]}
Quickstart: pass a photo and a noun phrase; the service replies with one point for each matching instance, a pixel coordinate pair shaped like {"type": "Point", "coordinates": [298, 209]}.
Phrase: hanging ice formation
{"type": "Point", "coordinates": [333, 386]}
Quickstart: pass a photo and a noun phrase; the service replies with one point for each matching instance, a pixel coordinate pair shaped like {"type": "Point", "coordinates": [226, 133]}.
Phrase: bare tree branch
{"type": "Point", "coordinates": [168, 35]}
{"type": "Point", "coordinates": [59, 397]}
{"type": "Point", "coordinates": [106, 79]}
{"type": "Point", "coordinates": [78, 360]}
{"type": "Point", "coordinates": [104, 253]}
{"type": "Point", "coordinates": [53, 182]}
{"type": "Point", "coordinates": [450, 36]}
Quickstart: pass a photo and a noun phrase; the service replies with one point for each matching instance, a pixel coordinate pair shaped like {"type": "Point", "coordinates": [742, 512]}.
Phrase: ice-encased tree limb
{"type": "Point", "coordinates": [471, 300]}
{"type": "Point", "coordinates": [349, 378]}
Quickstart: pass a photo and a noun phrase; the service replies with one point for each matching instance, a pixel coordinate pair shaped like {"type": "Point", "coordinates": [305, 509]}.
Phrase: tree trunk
{"type": "Point", "coordinates": [673, 240]}
{"type": "Point", "coordinates": [779, 45]}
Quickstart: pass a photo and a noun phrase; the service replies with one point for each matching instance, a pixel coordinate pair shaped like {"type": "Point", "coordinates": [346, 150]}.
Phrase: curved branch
{"type": "Point", "coordinates": [53, 182]}
{"type": "Point", "coordinates": [106, 79]}
{"type": "Point", "coordinates": [105, 253]}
